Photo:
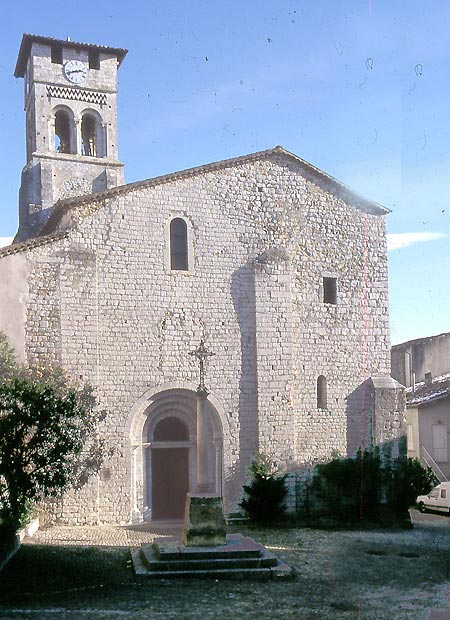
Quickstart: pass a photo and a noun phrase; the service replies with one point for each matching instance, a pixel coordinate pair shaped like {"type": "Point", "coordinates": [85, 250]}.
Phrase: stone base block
{"type": "Point", "coordinates": [204, 521]}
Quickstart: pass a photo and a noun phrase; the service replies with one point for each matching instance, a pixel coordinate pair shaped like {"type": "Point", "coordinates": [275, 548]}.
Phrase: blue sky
{"type": "Point", "coordinates": [360, 89]}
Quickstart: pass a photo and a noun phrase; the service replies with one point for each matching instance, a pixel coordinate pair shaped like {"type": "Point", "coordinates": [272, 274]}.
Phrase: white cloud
{"type": "Point", "coordinates": [403, 240]}
{"type": "Point", "coordinates": [5, 241]}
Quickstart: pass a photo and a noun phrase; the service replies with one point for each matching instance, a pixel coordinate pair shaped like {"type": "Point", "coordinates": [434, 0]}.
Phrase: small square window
{"type": "Point", "coordinates": [94, 59]}
{"type": "Point", "coordinates": [56, 54]}
{"type": "Point", "coordinates": [330, 290]}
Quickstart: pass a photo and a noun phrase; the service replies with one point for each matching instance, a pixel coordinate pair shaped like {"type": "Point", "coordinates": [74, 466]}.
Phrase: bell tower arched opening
{"type": "Point", "coordinates": [63, 132]}
{"type": "Point", "coordinates": [92, 143]}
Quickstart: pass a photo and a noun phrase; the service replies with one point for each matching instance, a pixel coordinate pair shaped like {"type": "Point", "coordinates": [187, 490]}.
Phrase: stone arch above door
{"type": "Point", "coordinates": [153, 407]}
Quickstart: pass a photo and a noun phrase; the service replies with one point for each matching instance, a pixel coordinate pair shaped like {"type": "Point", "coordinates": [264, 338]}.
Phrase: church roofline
{"type": "Point", "coordinates": [35, 242]}
{"type": "Point", "coordinates": [310, 172]}
{"type": "Point", "coordinates": [29, 39]}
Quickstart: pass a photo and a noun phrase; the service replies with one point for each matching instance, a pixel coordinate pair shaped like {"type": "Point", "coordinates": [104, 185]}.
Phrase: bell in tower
{"type": "Point", "coordinates": [70, 94]}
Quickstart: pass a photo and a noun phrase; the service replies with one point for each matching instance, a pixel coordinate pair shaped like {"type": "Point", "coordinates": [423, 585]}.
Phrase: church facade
{"type": "Point", "coordinates": [279, 268]}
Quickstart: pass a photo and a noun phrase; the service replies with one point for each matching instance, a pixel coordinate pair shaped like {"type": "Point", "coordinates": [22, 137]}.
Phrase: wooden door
{"type": "Point", "coordinates": [440, 443]}
{"type": "Point", "coordinates": [170, 482]}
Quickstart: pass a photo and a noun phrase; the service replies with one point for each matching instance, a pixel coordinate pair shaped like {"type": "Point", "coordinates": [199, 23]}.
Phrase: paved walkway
{"type": "Point", "coordinates": [135, 535]}
{"type": "Point", "coordinates": [106, 535]}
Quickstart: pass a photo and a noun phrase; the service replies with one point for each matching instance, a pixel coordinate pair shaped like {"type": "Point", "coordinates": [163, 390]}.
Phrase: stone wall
{"type": "Point", "coordinates": [14, 300]}
{"type": "Point", "coordinates": [262, 237]}
{"type": "Point", "coordinates": [389, 405]}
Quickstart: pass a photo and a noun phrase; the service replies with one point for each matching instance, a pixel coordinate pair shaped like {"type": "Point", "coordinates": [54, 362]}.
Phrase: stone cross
{"type": "Point", "coordinates": [202, 353]}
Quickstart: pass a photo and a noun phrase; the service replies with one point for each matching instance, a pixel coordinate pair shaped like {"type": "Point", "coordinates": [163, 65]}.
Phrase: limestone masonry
{"type": "Point", "coordinates": [278, 267]}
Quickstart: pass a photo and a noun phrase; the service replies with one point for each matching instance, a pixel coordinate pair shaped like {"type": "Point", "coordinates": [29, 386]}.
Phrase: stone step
{"type": "Point", "coordinates": [237, 547]}
{"type": "Point", "coordinates": [154, 563]}
{"type": "Point", "coordinates": [241, 557]}
{"type": "Point", "coordinates": [230, 573]}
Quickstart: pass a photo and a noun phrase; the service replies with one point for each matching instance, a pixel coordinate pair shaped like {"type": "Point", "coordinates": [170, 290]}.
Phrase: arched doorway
{"type": "Point", "coordinates": [169, 465]}
{"type": "Point", "coordinates": [163, 434]}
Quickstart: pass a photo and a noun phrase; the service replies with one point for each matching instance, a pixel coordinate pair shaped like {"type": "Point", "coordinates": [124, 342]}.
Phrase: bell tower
{"type": "Point", "coordinates": [70, 92]}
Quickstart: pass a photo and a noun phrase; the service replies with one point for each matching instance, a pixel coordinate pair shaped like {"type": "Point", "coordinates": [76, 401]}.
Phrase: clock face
{"type": "Point", "coordinates": [75, 71]}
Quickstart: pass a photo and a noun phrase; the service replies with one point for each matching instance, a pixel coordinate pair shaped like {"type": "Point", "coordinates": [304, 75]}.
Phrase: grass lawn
{"type": "Point", "coordinates": [373, 575]}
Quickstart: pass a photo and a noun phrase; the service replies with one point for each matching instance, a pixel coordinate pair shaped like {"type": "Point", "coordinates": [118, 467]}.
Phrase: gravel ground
{"type": "Point", "coordinates": [85, 574]}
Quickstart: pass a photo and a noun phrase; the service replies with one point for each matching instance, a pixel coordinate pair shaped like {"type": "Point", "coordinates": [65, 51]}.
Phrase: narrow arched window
{"type": "Point", "coordinates": [178, 245]}
{"type": "Point", "coordinates": [89, 146]}
{"type": "Point", "coordinates": [62, 132]}
{"type": "Point", "coordinates": [321, 392]}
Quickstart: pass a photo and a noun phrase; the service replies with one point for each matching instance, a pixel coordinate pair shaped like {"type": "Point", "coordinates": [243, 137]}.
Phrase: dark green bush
{"type": "Point", "coordinates": [264, 496]}
{"type": "Point", "coordinates": [405, 480]}
{"type": "Point", "coordinates": [350, 488]}
{"type": "Point", "coordinates": [370, 486]}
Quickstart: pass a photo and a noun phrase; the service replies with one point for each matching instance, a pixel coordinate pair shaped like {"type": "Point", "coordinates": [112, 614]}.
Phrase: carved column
{"type": "Point", "coordinates": [203, 478]}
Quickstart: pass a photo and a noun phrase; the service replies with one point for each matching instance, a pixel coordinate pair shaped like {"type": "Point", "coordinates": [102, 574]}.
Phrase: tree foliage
{"type": "Point", "coordinates": [48, 438]}
{"type": "Point", "coordinates": [264, 496]}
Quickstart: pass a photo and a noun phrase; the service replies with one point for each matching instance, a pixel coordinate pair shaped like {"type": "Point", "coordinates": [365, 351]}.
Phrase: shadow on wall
{"type": "Point", "coordinates": [376, 414]}
{"type": "Point", "coordinates": [243, 295]}
{"type": "Point", "coordinates": [359, 412]}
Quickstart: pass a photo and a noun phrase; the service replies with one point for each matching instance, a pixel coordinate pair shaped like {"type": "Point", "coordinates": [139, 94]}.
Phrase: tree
{"type": "Point", "coordinates": [48, 438]}
{"type": "Point", "coordinates": [264, 497]}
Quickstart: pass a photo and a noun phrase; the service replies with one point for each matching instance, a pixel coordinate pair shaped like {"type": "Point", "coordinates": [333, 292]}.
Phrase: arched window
{"type": "Point", "coordinates": [178, 245]}
{"type": "Point", "coordinates": [321, 392]}
{"type": "Point", "coordinates": [171, 429]}
{"type": "Point", "coordinates": [62, 132]}
{"type": "Point", "coordinates": [89, 138]}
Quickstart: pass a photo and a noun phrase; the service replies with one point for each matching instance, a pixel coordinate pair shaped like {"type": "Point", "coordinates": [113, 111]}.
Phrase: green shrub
{"type": "Point", "coordinates": [350, 488]}
{"type": "Point", "coordinates": [405, 480]}
{"type": "Point", "coordinates": [370, 486]}
{"type": "Point", "coordinates": [264, 496]}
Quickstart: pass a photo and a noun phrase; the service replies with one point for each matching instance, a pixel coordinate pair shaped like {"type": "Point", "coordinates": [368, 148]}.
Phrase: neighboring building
{"type": "Point", "coordinates": [428, 424]}
{"type": "Point", "coordinates": [412, 361]}
{"type": "Point", "coordinates": [278, 267]}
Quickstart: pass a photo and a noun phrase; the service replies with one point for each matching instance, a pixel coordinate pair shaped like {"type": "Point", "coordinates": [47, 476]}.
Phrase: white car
{"type": "Point", "coordinates": [437, 499]}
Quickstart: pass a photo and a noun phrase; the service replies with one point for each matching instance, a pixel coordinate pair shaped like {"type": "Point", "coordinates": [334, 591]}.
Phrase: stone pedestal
{"type": "Point", "coordinates": [204, 522]}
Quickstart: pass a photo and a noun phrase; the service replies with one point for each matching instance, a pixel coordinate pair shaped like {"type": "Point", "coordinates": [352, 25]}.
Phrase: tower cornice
{"type": "Point", "coordinates": [29, 39]}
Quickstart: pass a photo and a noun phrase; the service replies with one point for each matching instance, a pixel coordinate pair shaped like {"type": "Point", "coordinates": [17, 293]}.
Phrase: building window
{"type": "Point", "coordinates": [62, 132]}
{"type": "Point", "coordinates": [94, 59]}
{"type": "Point", "coordinates": [57, 54]}
{"type": "Point", "coordinates": [178, 245]}
{"type": "Point", "coordinates": [89, 136]}
{"type": "Point", "coordinates": [410, 437]}
{"type": "Point", "coordinates": [321, 392]}
{"type": "Point", "coordinates": [329, 290]}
